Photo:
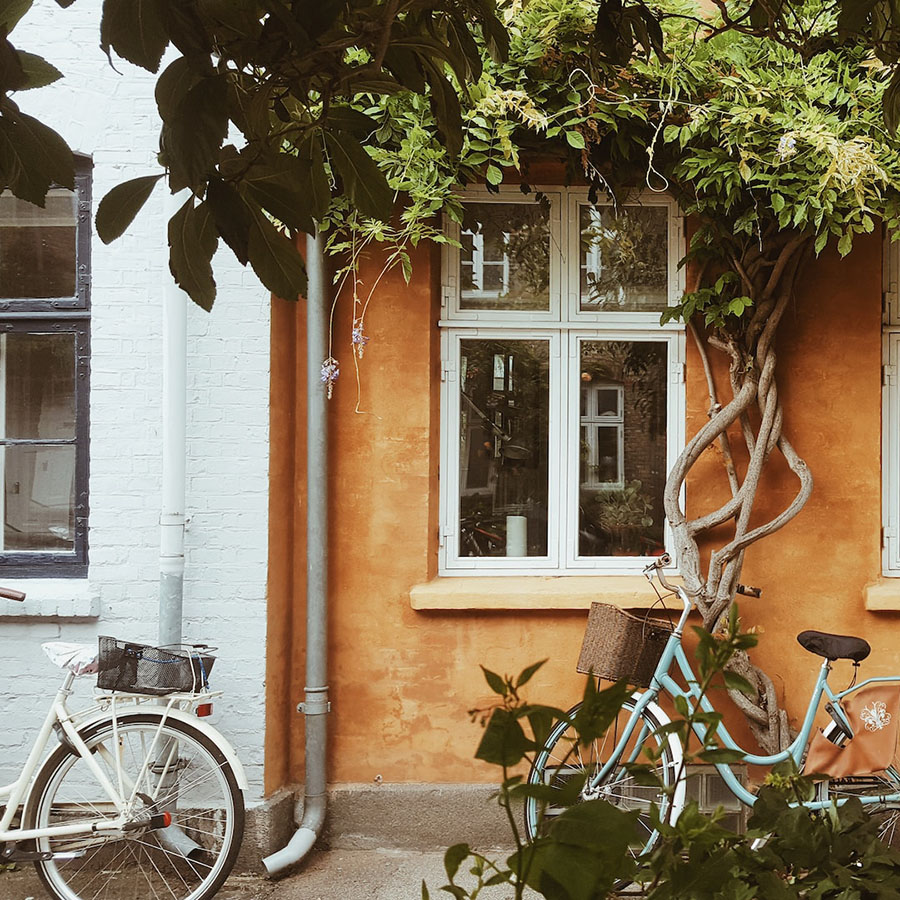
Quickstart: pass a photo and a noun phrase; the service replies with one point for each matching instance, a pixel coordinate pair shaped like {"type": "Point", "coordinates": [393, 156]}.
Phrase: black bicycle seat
{"type": "Point", "coordinates": [834, 646]}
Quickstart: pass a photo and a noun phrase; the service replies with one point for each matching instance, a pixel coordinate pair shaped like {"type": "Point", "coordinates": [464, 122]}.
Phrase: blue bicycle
{"type": "Point", "coordinates": [603, 764]}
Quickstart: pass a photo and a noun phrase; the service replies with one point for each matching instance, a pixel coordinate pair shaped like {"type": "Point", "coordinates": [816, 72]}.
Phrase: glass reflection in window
{"type": "Point", "coordinates": [505, 256]}
{"type": "Point", "coordinates": [504, 431]}
{"type": "Point", "coordinates": [622, 450]}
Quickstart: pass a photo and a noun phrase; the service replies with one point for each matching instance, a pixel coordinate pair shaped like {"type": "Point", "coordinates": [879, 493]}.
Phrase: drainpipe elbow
{"type": "Point", "coordinates": [303, 840]}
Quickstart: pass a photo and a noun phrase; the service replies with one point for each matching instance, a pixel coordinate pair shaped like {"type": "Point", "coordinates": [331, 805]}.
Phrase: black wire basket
{"type": "Point", "coordinates": [144, 669]}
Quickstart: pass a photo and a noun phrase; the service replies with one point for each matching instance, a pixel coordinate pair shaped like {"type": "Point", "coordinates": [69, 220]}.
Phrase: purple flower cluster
{"type": "Point", "coordinates": [329, 374]}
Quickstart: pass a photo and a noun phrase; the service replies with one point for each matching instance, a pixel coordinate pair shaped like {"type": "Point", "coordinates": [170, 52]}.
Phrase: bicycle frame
{"type": "Point", "coordinates": [663, 681]}
{"type": "Point", "coordinates": [15, 794]}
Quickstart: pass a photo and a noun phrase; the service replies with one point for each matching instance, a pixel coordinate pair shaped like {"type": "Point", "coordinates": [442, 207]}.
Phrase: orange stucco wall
{"type": "Point", "coordinates": [401, 680]}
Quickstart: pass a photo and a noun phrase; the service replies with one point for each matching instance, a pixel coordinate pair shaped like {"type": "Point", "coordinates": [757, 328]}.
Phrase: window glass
{"type": "Point", "coordinates": [37, 246]}
{"type": "Point", "coordinates": [622, 449]}
{"type": "Point", "coordinates": [624, 263]}
{"type": "Point", "coordinates": [504, 431]}
{"type": "Point", "coordinates": [39, 497]}
{"type": "Point", "coordinates": [40, 385]}
{"type": "Point", "coordinates": [505, 256]}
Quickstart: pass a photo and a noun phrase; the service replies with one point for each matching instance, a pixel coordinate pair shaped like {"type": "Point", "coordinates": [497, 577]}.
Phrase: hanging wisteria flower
{"type": "Point", "coordinates": [787, 146]}
{"type": "Point", "coordinates": [330, 372]}
{"type": "Point", "coordinates": [359, 339]}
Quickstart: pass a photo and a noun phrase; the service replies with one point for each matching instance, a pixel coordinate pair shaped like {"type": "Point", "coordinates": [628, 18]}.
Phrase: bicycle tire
{"type": "Point", "coordinates": [189, 777]}
{"type": "Point", "coordinates": [620, 788]}
{"type": "Point", "coordinates": [877, 784]}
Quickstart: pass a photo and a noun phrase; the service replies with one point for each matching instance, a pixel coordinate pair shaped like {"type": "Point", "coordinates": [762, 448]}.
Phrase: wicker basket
{"type": "Point", "coordinates": [143, 669]}
{"type": "Point", "coordinates": [620, 645]}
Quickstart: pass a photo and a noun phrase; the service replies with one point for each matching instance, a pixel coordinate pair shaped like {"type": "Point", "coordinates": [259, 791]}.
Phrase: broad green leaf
{"type": "Point", "coordinates": [193, 135]}
{"type": "Point", "coordinates": [495, 682]}
{"type": "Point", "coordinates": [37, 70]}
{"type": "Point", "coordinates": [119, 207]}
{"type": "Point", "coordinates": [32, 157]}
{"type": "Point", "coordinates": [493, 175]}
{"type": "Point", "coordinates": [275, 259]}
{"type": "Point", "coordinates": [735, 682]}
{"type": "Point", "coordinates": [575, 139]}
{"type": "Point", "coordinates": [721, 755]}
{"type": "Point", "coordinates": [528, 673]}
{"type": "Point", "coordinates": [821, 241]}
{"type": "Point", "coordinates": [454, 857]}
{"type": "Point", "coordinates": [11, 11]}
{"type": "Point", "coordinates": [845, 243]}
{"type": "Point", "coordinates": [503, 742]}
{"type": "Point", "coordinates": [12, 75]}
{"type": "Point", "coordinates": [173, 85]}
{"type": "Point", "coordinates": [279, 183]}
{"type": "Point", "coordinates": [231, 216]}
{"type": "Point", "coordinates": [319, 188]}
{"type": "Point", "coordinates": [136, 30]}
{"type": "Point", "coordinates": [364, 182]}
{"type": "Point", "coordinates": [192, 242]}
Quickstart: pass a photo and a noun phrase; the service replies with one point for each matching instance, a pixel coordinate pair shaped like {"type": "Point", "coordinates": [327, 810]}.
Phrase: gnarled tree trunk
{"type": "Point", "coordinates": [768, 271]}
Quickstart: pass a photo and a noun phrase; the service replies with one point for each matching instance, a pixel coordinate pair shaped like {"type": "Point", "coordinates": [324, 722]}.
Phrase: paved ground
{"type": "Point", "coordinates": [327, 875]}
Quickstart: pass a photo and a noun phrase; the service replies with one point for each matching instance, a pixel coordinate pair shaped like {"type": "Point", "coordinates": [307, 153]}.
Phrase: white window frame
{"type": "Point", "coordinates": [890, 411]}
{"type": "Point", "coordinates": [564, 325]}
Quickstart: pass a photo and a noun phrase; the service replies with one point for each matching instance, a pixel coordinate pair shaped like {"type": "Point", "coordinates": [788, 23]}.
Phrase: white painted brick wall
{"type": "Point", "coordinates": [112, 117]}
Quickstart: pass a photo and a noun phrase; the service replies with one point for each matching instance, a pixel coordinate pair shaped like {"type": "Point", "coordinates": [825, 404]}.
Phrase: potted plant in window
{"type": "Point", "coordinates": [623, 517]}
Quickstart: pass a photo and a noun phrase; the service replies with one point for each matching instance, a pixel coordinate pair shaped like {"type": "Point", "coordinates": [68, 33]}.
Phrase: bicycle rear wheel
{"type": "Point", "coordinates": [166, 768]}
{"type": "Point", "coordinates": [877, 785]}
{"type": "Point", "coordinates": [562, 759]}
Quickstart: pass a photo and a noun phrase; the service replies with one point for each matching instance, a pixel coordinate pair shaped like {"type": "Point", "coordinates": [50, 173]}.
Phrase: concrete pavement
{"type": "Point", "coordinates": [326, 875]}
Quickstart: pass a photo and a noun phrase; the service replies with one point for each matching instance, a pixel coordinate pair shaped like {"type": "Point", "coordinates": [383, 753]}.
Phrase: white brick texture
{"type": "Point", "coordinates": [111, 116]}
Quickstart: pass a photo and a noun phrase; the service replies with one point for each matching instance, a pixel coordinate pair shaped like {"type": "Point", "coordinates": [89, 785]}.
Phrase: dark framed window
{"type": "Point", "coordinates": [45, 381]}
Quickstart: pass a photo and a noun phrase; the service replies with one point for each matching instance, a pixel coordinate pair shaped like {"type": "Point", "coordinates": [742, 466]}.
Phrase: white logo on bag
{"type": "Point", "coordinates": [875, 717]}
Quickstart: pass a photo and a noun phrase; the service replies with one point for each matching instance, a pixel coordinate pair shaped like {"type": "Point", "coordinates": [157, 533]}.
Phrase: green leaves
{"type": "Point", "coordinates": [363, 181]}
{"type": "Point", "coordinates": [119, 207]}
{"type": "Point", "coordinates": [275, 259]}
{"type": "Point", "coordinates": [192, 242]}
{"type": "Point", "coordinates": [136, 30]}
{"type": "Point", "coordinates": [32, 157]}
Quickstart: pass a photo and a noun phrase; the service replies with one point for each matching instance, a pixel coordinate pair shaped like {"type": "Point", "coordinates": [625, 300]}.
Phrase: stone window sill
{"type": "Point", "coordinates": [59, 598]}
{"type": "Point", "coordinates": [883, 594]}
{"type": "Point", "coordinates": [533, 592]}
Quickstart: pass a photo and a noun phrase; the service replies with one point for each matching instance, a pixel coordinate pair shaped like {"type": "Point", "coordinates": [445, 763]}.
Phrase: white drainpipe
{"type": "Point", "coordinates": [174, 451]}
{"type": "Point", "coordinates": [172, 511]}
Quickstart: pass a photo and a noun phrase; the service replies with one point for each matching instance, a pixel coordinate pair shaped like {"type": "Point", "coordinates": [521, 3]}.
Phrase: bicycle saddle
{"type": "Point", "coordinates": [834, 646]}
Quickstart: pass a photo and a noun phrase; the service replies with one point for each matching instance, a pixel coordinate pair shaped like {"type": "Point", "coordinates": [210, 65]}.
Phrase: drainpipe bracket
{"type": "Point", "coordinates": [314, 707]}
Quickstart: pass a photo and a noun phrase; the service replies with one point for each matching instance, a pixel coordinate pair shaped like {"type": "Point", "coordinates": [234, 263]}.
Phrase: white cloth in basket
{"type": "Point", "coordinates": [80, 659]}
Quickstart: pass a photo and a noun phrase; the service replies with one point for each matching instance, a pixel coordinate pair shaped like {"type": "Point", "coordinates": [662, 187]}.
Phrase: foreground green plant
{"type": "Point", "coordinates": [587, 849]}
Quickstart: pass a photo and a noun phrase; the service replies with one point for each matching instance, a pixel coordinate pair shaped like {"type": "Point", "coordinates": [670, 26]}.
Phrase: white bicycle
{"type": "Point", "coordinates": [139, 797]}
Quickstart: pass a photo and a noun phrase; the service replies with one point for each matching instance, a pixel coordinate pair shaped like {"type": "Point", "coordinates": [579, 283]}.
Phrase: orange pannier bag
{"type": "Point", "coordinates": [874, 716]}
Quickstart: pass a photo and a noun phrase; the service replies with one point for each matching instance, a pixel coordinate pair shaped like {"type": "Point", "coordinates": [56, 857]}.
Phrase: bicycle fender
{"type": "Point", "coordinates": [186, 718]}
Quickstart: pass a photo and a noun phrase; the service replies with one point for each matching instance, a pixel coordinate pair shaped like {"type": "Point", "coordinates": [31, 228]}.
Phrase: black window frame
{"type": "Point", "coordinates": [62, 315]}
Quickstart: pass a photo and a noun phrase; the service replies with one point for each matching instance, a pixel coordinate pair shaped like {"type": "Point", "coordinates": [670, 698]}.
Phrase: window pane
{"type": "Point", "coordinates": [622, 447]}
{"type": "Point", "coordinates": [624, 259]}
{"type": "Point", "coordinates": [504, 430]}
{"type": "Point", "coordinates": [505, 256]}
{"type": "Point", "coordinates": [39, 496]}
{"type": "Point", "coordinates": [37, 246]}
{"type": "Point", "coordinates": [40, 385]}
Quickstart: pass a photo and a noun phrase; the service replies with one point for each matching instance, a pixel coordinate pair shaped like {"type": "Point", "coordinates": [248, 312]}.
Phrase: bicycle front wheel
{"type": "Point", "coordinates": [562, 759]}
{"type": "Point", "coordinates": [170, 773]}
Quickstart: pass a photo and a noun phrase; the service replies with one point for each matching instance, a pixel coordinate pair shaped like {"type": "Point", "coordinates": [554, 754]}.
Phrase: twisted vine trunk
{"type": "Point", "coordinates": [768, 271]}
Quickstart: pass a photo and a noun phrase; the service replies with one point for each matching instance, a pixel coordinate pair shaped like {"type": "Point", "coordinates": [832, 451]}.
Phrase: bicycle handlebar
{"type": "Point", "coordinates": [10, 594]}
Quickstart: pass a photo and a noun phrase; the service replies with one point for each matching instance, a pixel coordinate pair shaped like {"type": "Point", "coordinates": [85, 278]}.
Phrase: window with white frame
{"type": "Point", "coordinates": [562, 396]}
